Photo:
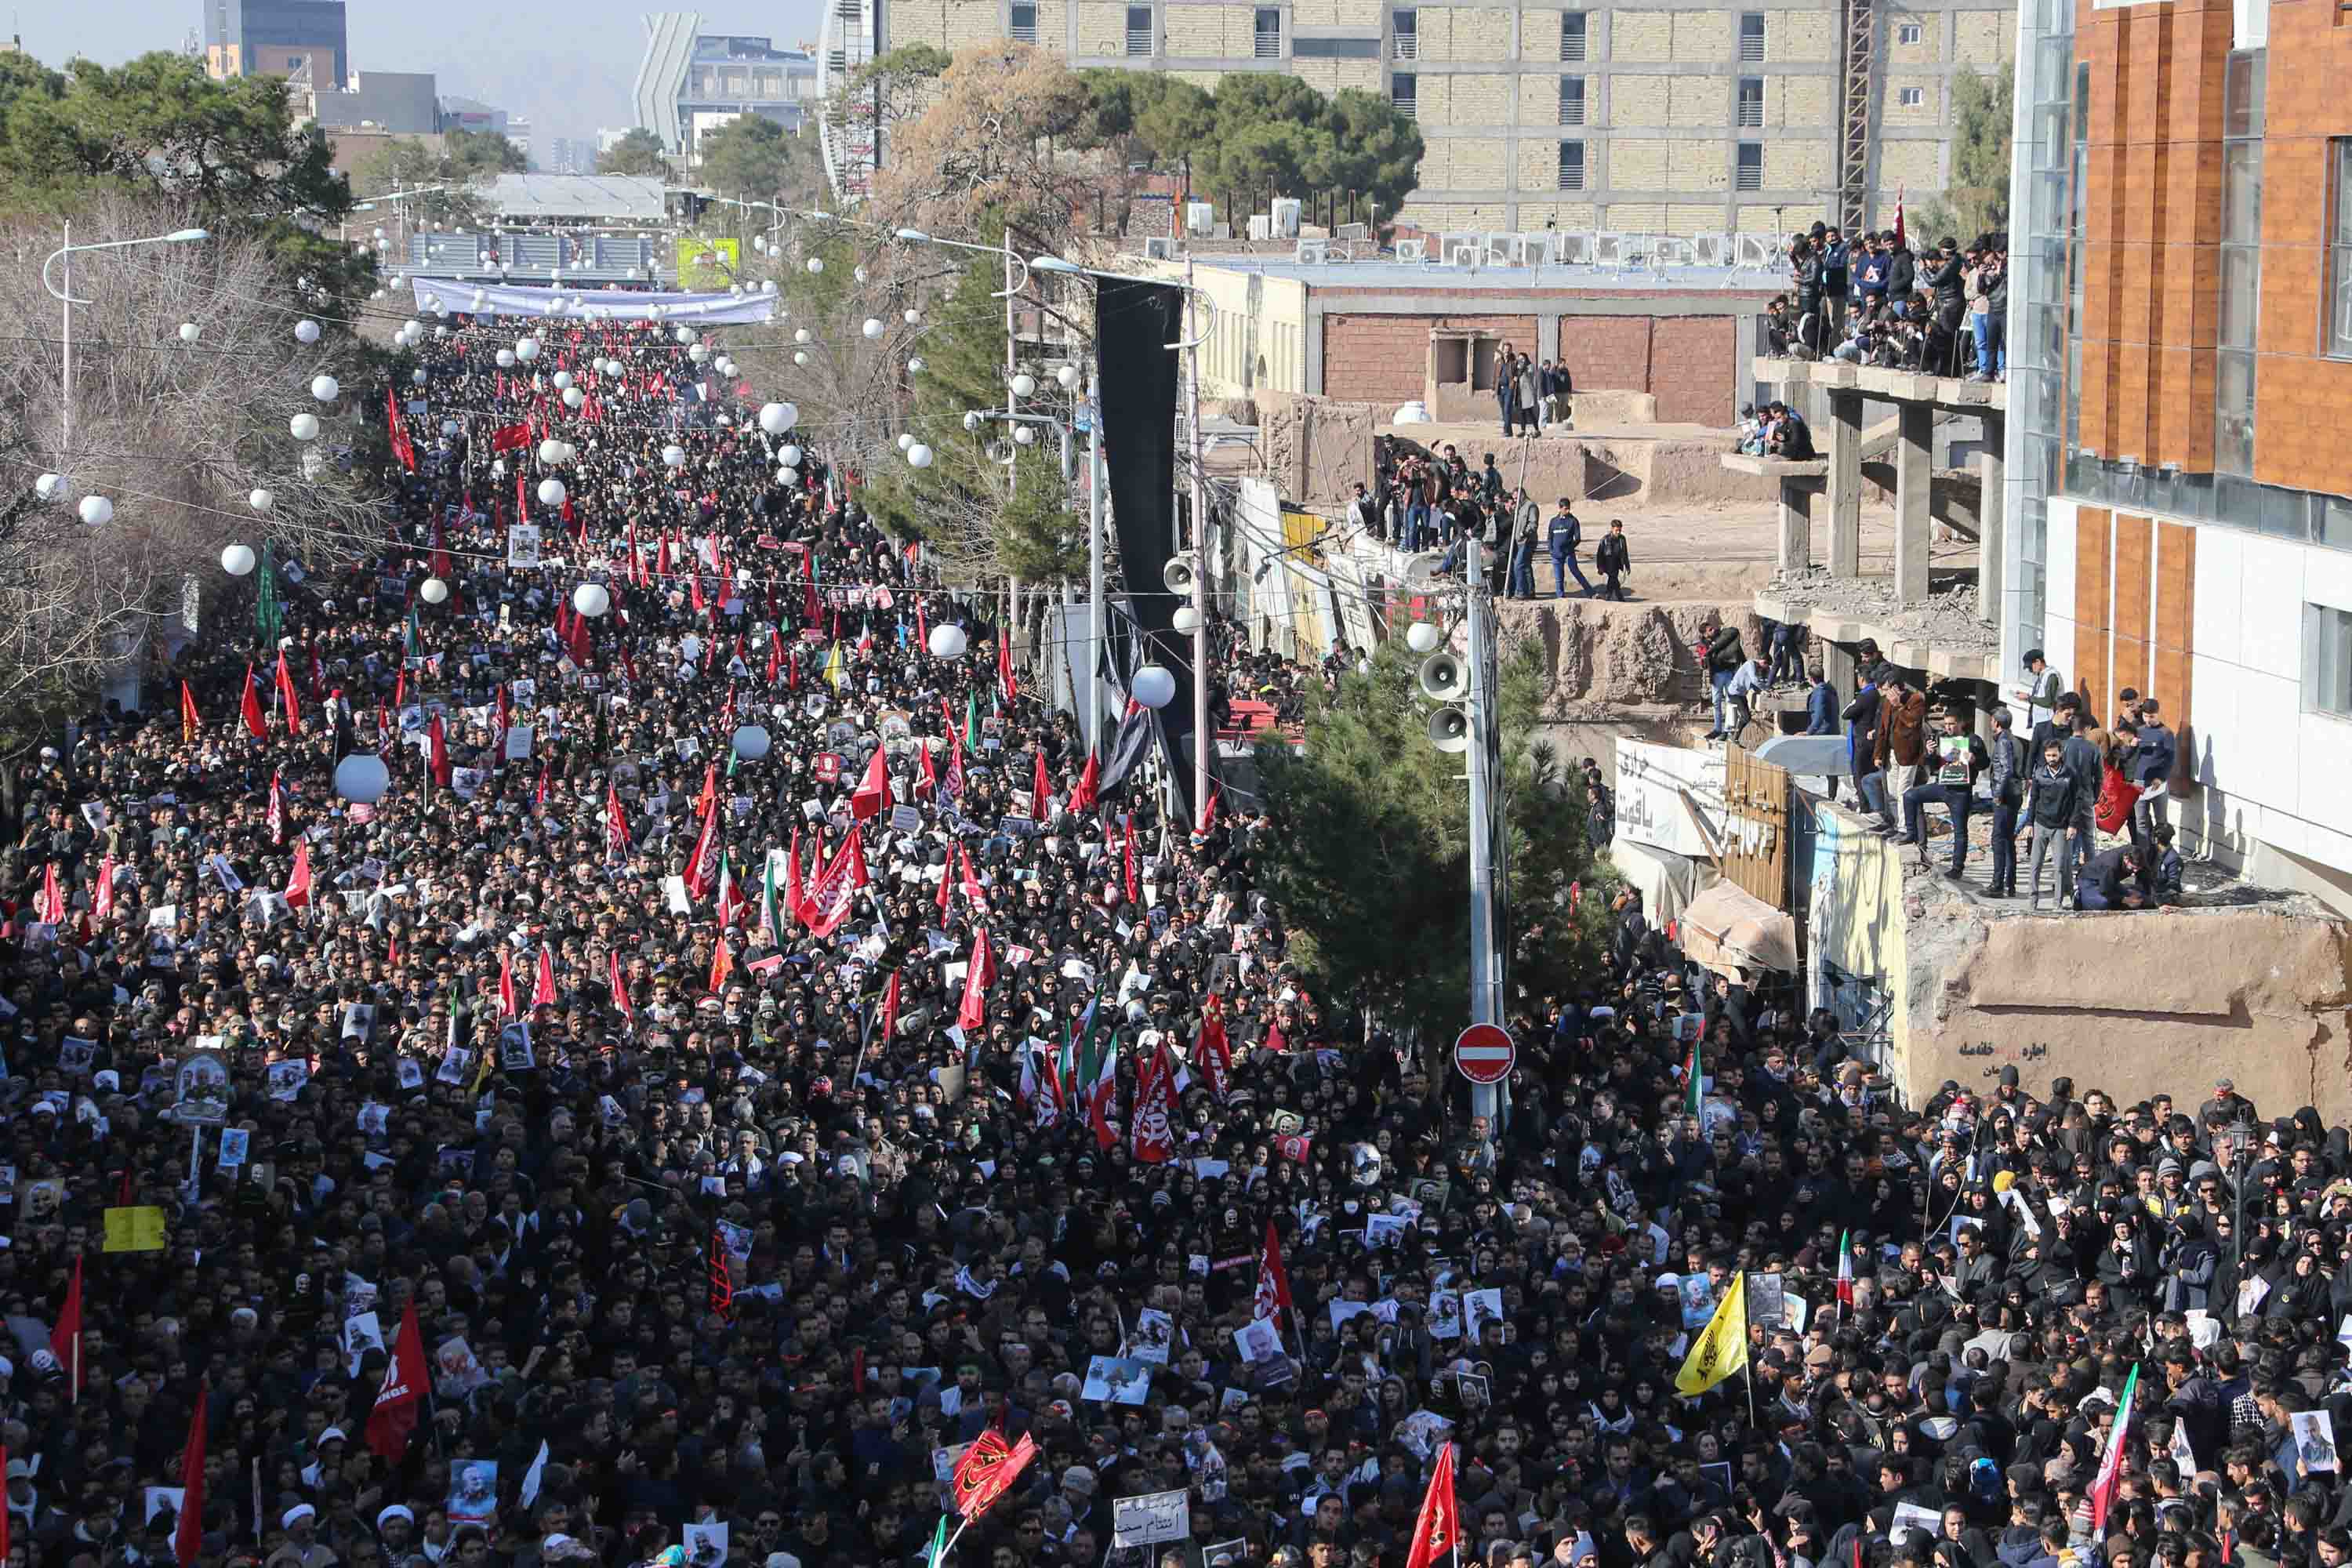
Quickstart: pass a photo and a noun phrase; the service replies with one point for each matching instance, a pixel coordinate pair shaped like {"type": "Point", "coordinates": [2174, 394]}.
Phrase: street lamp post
{"type": "Point", "coordinates": [66, 302]}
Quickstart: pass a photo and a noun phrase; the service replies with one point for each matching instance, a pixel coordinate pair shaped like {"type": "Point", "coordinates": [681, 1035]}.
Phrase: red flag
{"type": "Point", "coordinates": [65, 1342]}
{"type": "Point", "coordinates": [775, 655]}
{"type": "Point", "coordinates": [1127, 852]}
{"type": "Point", "coordinates": [926, 777]}
{"type": "Point", "coordinates": [187, 1539]}
{"type": "Point", "coordinates": [53, 897]}
{"type": "Point", "coordinates": [1039, 793]}
{"type": "Point", "coordinates": [101, 907]}
{"type": "Point", "coordinates": [1154, 1134]}
{"type": "Point", "coordinates": [1082, 797]}
{"type": "Point", "coordinates": [1004, 681]}
{"type": "Point", "coordinates": [702, 868]}
{"type": "Point", "coordinates": [978, 978]}
{"type": "Point", "coordinates": [946, 899]}
{"type": "Point", "coordinates": [1273, 1279]}
{"type": "Point", "coordinates": [286, 697]}
{"type": "Point", "coordinates": [794, 896]}
{"type": "Point", "coordinates": [191, 724]}
{"type": "Point", "coordinates": [873, 797]}
{"type": "Point", "coordinates": [251, 707]}
{"type": "Point", "coordinates": [442, 772]}
{"type": "Point", "coordinates": [542, 994]}
{"type": "Point", "coordinates": [973, 894]}
{"type": "Point", "coordinates": [1212, 1052]}
{"type": "Point", "coordinates": [836, 886]}
{"type": "Point", "coordinates": [277, 809]}
{"type": "Point", "coordinates": [620, 990]}
{"type": "Point", "coordinates": [988, 1470]}
{"type": "Point", "coordinates": [395, 1415]}
{"type": "Point", "coordinates": [506, 437]}
{"type": "Point", "coordinates": [507, 1008]}
{"type": "Point", "coordinates": [402, 446]}
{"type": "Point", "coordinates": [297, 883]}
{"type": "Point", "coordinates": [890, 1008]}
{"type": "Point", "coordinates": [1898, 214]}
{"type": "Point", "coordinates": [722, 964]}
{"type": "Point", "coordinates": [1209, 811]}
{"type": "Point", "coordinates": [1438, 1532]}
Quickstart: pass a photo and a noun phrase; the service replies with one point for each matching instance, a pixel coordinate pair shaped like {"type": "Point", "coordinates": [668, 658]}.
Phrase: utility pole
{"type": "Point", "coordinates": [1493, 1101]}
{"type": "Point", "coordinates": [1204, 743]}
{"type": "Point", "coordinates": [1093, 683]}
{"type": "Point", "coordinates": [65, 408]}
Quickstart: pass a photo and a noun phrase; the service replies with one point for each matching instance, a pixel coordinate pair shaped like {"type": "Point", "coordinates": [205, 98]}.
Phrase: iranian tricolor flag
{"type": "Point", "coordinates": [732, 904]}
{"type": "Point", "coordinates": [1102, 1087]}
{"type": "Point", "coordinates": [1845, 1271]}
{"type": "Point", "coordinates": [2111, 1463]}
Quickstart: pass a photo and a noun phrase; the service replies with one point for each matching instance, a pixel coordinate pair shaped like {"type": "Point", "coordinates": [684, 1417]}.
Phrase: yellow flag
{"type": "Point", "coordinates": [836, 668]}
{"type": "Point", "coordinates": [1722, 1346]}
{"type": "Point", "coordinates": [135, 1230]}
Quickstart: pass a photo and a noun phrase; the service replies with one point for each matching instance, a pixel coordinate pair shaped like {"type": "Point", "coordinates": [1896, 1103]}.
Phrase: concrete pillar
{"type": "Point", "coordinates": [1915, 453]}
{"type": "Point", "coordinates": [1837, 664]}
{"type": "Point", "coordinates": [1993, 543]}
{"type": "Point", "coordinates": [1796, 551]}
{"type": "Point", "coordinates": [1845, 429]}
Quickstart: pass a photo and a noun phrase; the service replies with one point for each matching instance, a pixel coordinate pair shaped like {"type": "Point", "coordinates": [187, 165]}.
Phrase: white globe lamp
{"type": "Point", "coordinates": [550, 492]}
{"type": "Point", "coordinates": [432, 591]}
{"type": "Point", "coordinates": [96, 511]}
{"type": "Point", "coordinates": [948, 640]}
{"type": "Point", "coordinates": [1154, 686]}
{"type": "Point", "coordinates": [303, 427]}
{"type": "Point", "coordinates": [361, 778]}
{"type": "Point", "coordinates": [591, 599]}
{"type": "Point", "coordinates": [751, 742]}
{"type": "Point", "coordinates": [238, 559]}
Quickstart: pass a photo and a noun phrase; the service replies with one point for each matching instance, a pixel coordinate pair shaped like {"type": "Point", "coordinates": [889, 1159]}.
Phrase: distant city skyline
{"type": "Point", "coordinates": [568, 69]}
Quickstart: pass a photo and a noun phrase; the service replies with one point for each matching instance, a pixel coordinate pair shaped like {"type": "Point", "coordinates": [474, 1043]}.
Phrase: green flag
{"type": "Point", "coordinates": [939, 1542]}
{"type": "Point", "coordinates": [1698, 1098]}
{"type": "Point", "coordinates": [267, 617]}
{"type": "Point", "coordinates": [970, 723]}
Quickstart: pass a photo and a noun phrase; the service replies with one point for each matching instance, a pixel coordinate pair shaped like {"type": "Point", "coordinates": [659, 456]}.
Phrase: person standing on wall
{"type": "Point", "coordinates": [1564, 533]}
{"type": "Point", "coordinates": [1506, 385]}
{"type": "Point", "coordinates": [1612, 560]}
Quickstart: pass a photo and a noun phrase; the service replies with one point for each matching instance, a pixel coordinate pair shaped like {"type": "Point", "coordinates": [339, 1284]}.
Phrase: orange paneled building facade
{"type": "Point", "coordinates": [2180, 451]}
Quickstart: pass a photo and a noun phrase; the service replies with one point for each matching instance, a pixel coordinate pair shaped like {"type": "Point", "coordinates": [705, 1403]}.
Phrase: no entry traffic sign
{"type": "Point", "coordinates": [1485, 1053]}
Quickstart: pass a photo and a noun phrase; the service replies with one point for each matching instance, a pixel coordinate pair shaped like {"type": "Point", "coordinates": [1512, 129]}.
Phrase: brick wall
{"type": "Point", "coordinates": [1384, 359]}
{"type": "Point", "coordinates": [1686, 361]}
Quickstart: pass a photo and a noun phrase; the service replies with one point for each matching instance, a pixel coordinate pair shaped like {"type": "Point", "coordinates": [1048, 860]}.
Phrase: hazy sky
{"type": "Point", "coordinates": [568, 67]}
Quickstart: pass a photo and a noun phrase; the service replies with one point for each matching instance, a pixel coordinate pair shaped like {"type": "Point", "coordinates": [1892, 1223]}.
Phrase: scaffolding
{"type": "Point", "coordinates": [1854, 159]}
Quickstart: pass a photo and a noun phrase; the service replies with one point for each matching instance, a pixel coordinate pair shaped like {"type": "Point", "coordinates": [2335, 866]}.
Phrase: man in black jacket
{"type": "Point", "coordinates": [1902, 271]}
{"type": "Point", "coordinates": [1723, 656]}
{"type": "Point", "coordinates": [1612, 560]}
{"type": "Point", "coordinates": [1949, 280]}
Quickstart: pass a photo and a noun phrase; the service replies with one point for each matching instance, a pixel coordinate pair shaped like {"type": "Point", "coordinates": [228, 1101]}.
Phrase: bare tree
{"type": "Point", "coordinates": [175, 433]}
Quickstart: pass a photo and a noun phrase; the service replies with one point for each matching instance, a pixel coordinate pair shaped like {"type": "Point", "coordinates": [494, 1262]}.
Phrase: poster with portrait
{"type": "Point", "coordinates": [287, 1078]}
{"type": "Point", "coordinates": [706, 1544]}
{"type": "Point", "coordinates": [234, 1144]}
{"type": "Point", "coordinates": [515, 1052]}
{"type": "Point", "coordinates": [1259, 1340]}
{"type": "Point", "coordinates": [1480, 1308]}
{"type": "Point", "coordinates": [200, 1093]}
{"type": "Point", "coordinates": [522, 550]}
{"type": "Point", "coordinates": [1117, 1380]}
{"type": "Point", "coordinates": [1445, 1314]}
{"type": "Point", "coordinates": [1153, 1338]}
{"type": "Point", "coordinates": [2314, 1441]}
{"type": "Point", "coordinates": [362, 1332]}
{"type": "Point", "coordinates": [457, 1372]}
{"type": "Point", "coordinates": [473, 1490]}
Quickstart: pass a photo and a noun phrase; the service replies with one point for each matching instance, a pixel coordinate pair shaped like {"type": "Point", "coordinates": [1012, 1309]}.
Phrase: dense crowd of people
{"type": "Point", "coordinates": [745, 1130]}
{"type": "Point", "coordinates": [1872, 301]}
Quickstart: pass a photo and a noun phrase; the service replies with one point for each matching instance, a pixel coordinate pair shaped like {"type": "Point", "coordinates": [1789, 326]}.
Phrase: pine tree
{"type": "Point", "coordinates": [1368, 861]}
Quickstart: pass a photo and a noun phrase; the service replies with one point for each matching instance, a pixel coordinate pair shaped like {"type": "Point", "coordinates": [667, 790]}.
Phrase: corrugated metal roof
{"type": "Point", "coordinates": [632, 198]}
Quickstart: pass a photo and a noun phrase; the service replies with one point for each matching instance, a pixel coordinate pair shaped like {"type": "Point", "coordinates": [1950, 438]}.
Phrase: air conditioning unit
{"type": "Point", "coordinates": [1159, 247]}
{"type": "Point", "coordinates": [1316, 251]}
{"type": "Point", "coordinates": [1413, 250]}
{"type": "Point", "coordinates": [1576, 248]}
{"type": "Point", "coordinates": [1465, 256]}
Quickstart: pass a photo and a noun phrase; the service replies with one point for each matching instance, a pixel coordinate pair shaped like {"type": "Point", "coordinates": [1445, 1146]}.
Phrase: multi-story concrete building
{"type": "Point", "coordinates": [1653, 116]}
{"type": "Point", "coordinates": [691, 81]}
{"type": "Point", "coordinates": [273, 38]}
{"type": "Point", "coordinates": [2181, 330]}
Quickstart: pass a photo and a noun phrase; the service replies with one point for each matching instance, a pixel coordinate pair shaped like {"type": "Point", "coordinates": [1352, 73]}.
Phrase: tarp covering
{"type": "Point", "coordinates": [589, 304]}
{"type": "Point", "coordinates": [1666, 881]}
{"type": "Point", "coordinates": [1726, 928]}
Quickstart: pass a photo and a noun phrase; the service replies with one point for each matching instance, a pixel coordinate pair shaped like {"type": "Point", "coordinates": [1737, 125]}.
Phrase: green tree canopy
{"type": "Point", "coordinates": [754, 158]}
{"type": "Point", "coordinates": [637, 153]}
{"type": "Point", "coordinates": [1975, 202]}
{"type": "Point", "coordinates": [1370, 859]}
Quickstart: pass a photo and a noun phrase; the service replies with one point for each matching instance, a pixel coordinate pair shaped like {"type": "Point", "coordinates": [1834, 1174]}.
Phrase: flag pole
{"type": "Point", "coordinates": [1748, 1365]}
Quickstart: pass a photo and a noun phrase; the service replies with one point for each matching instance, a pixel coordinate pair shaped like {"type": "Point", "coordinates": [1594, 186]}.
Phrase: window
{"type": "Point", "coordinates": [2336, 329]}
{"type": "Point", "coordinates": [1572, 101]}
{"type": "Point", "coordinates": [2327, 661]}
{"type": "Point", "coordinates": [1748, 175]}
{"type": "Point", "coordinates": [1404, 92]}
{"type": "Point", "coordinates": [1138, 29]}
{"type": "Point", "coordinates": [1909, 33]}
{"type": "Point", "coordinates": [1751, 102]}
{"type": "Point", "coordinates": [1408, 34]}
{"type": "Point", "coordinates": [1911, 97]}
{"type": "Point", "coordinates": [1024, 24]}
{"type": "Point", "coordinates": [2235, 421]}
{"type": "Point", "coordinates": [1269, 33]}
{"type": "Point", "coordinates": [1571, 34]}
{"type": "Point", "coordinates": [1572, 165]}
{"type": "Point", "coordinates": [1751, 36]}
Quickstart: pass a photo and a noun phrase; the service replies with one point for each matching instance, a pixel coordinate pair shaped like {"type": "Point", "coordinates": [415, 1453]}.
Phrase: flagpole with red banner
{"type": "Point", "coordinates": [187, 1537]}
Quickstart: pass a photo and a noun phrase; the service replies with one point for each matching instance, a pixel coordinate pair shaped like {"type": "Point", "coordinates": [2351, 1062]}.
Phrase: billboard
{"type": "Point", "coordinates": [708, 265]}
